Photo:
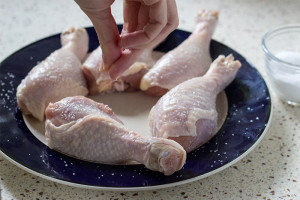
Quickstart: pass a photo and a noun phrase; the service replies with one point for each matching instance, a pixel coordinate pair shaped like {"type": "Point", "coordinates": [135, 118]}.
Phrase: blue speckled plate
{"type": "Point", "coordinates": [249, 110]}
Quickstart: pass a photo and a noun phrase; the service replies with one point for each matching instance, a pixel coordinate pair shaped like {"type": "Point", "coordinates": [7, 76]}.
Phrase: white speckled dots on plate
{"type": "Point", "coordinates": [246, 122]}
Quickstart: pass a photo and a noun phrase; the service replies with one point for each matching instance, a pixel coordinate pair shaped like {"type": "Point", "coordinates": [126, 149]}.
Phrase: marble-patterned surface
{"type": "Point", "coordinates": [270, 171]}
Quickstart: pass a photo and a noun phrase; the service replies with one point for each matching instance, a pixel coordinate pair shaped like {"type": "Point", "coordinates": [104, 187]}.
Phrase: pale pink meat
{"type": "Point", "coordinates": [82, 128]}
{"type": "Point", "coordinates": [58, 76]}
{"type": "Point", "coordinates": [100, 81]}
{"type": "Point", "coordinates": [187, 113]}
{"type": "Point", "coordinates": [190, 59]}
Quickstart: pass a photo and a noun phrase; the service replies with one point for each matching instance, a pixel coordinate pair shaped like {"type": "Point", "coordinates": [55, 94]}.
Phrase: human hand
{"type": "Point", "coordinates": [146, 24]}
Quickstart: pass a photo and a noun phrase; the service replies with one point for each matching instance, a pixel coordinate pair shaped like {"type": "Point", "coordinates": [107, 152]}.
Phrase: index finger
{"type": "Point", "coordinates": [108, 34]}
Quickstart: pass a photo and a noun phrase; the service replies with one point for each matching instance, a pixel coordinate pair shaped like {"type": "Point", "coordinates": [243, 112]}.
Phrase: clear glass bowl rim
{"type": "Point", "coordinates": [273, 31]}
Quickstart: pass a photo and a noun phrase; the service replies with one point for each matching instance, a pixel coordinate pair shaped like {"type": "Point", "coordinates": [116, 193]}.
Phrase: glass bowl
{"type": "Point", "coordinates": [282, 56]}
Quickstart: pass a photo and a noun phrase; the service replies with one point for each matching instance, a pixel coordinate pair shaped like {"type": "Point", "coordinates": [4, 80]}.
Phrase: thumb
{"type": "Point", "coordinates": [127, 58]}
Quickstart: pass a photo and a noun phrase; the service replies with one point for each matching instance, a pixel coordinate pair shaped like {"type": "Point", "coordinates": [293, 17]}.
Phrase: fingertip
{"type": "Point", "coordinates": [132, 40]}
{"type": "Point", "coordinates": [118, 68]}
{"type": "Point", "coordinates": [127, 58]}
{"type": "Point", "coordinates": [124, 41]}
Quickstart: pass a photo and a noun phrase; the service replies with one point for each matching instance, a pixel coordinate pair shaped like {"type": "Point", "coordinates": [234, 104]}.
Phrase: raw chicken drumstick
{"type": "Point", "coordinates": [80, 127]}
{"type": "Point", "coordinates": [187, 113]}
{"type": "Point", "coordinates": [58, 76]}
{"type": "Point", "coordinates": [190, 59]}
{"type": "Point", "coordinates": [100, 81]}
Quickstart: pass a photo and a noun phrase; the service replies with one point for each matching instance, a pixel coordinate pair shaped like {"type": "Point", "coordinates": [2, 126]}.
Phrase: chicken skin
{"type": "Point", "coordinates": [58, 76]}
{"type": "Point", "coordinates": [100, 81]}
{"type": "Point", "coordinates": [85, 129]}
{"type": "Point", "coordinates": [190, 59]}
{"type": "Point", "coordinates": [187, 113]}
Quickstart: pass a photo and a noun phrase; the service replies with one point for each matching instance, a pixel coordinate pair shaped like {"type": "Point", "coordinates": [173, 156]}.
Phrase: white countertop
{"type": "Point", "coordinates": [270, 171]}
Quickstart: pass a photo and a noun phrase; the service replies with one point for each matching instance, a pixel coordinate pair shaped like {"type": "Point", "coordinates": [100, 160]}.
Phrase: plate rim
{"type": "Point", "coordinates": [153, 187]}
{"type": "Point", "coordinates": [144, 188]}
